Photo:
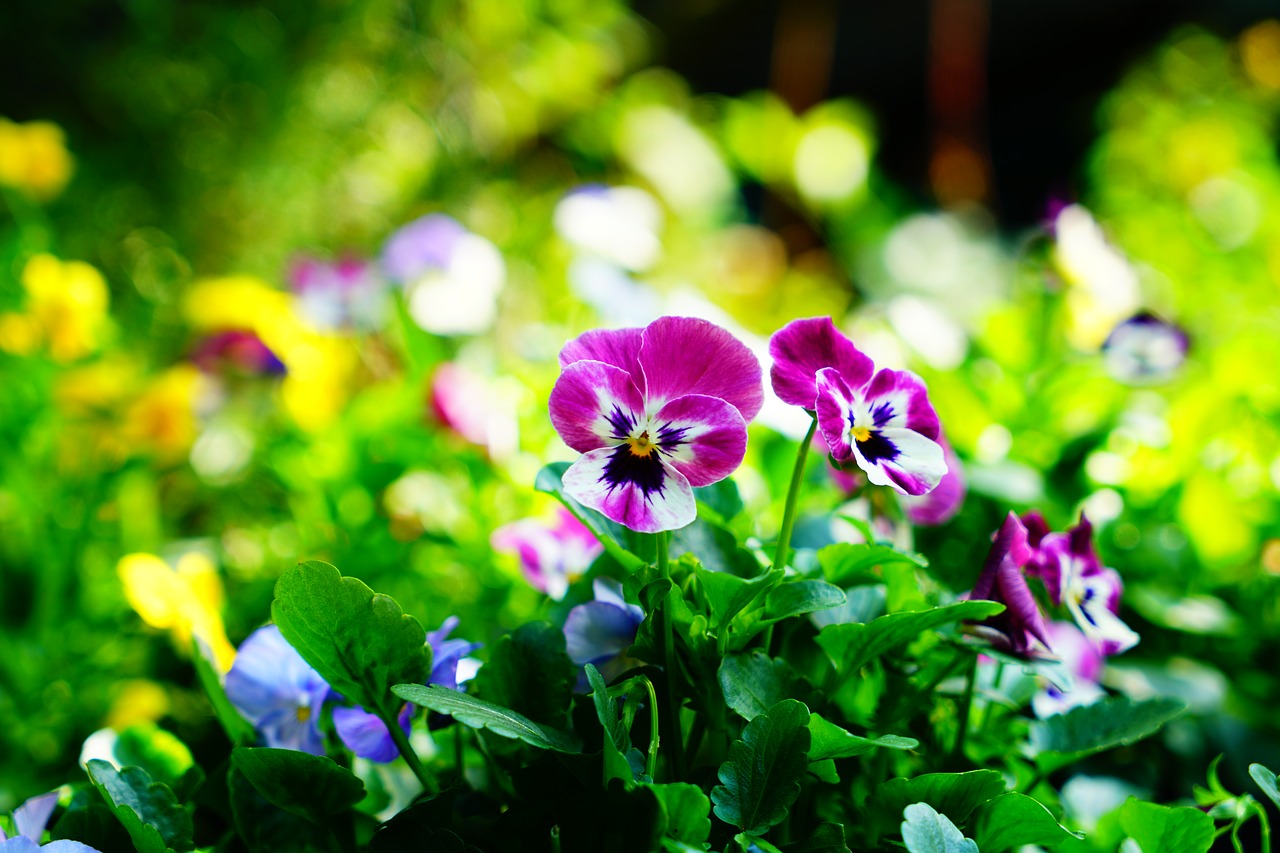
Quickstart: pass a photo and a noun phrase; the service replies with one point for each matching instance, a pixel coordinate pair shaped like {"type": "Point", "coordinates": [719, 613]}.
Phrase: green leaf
{"type": "Point", "coordinates": [762, 777]}
{"type": "Point", "coordinates": [480, 714]}
{"type": "Point", "coordinates": [1166, 829]}
{"type": "Point", "coordinates": [238, 729]}
{"type": "Point", "coordinates": [845, 563]}
{"type": "Point", "coordinates": [1266, 781]}
{"type": "Point", "coordinates": [550, 481]}
{"type": "Point", "coordinates": [852, 646]}
{"type": "Point", "coordinates": [309, 786]}
{"type": "Point", "coordinates": [414, 829]}
{"type": "Point", "coordinates": [729, 594]}
{"type": "Point", "coordinates": [159, 752]}
{"type": "Point", "coordinates": [721, 497]}
{"type": "Point", "coordinates": [831, 741]}
{"type": "Point", "coordinates": [149, 811]}
{"type": "Point", "coordinates": [530, 673]}
{"type": "Point", "coordinates": [953, 794]}
{"type": "Point", "coordinates": [926, 831]}
{"type": "Point", "coordinates": [91, 821]}
{"type": "Point", "coordinates": [1063, 738]}
{"type": "Point", "coordinates": [688, 812]}
{"type": "Point", "coordinates": [753, 682]}
{"type": "Point", "coordinates": [607, 710]}
{"type": "Point", "coordinates": [360, 642]}
{"type": "Point", "coordinates": [264, 828]}
{"type": "Point", "coordinates": [827, 838]}
{"type": "Point", "coordinates": [1012, 820]}
{"type": "Point", "coordinates": [798, 597]}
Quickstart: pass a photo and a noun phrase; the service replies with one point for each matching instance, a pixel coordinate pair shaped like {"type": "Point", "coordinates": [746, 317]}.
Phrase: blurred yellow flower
{"type": "Point", "coordinates": [66, 309]}
{"type": "Point", "coordinates": [162, 420]}
{"type": "Point", "coordinates": [34, 158]}
{"type": "Point", "coordinates": [186, 600]}
{"type": "Point", "coordinates": [137, 700]}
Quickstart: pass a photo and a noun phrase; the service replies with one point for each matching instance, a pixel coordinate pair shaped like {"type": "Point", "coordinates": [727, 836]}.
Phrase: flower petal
{"type": "Point", "coordinates": [598, 631]}
{"type": "Point", "coordinates": [366, 735]}
{"type": "Point", "coordinates": [902, 459]}
{"type": "Point", "coordinates": [898, 399]}
{"type": "Point", "coordinates": [942, 503]}
{"type": "Point", "coordinates": [835, 406]}
{"type": "Point", "coordinates": [31, 817]}
{"type": "Point", "coordinates": [685, 355]}
{"type": "Point", "coordinates": [803, 347]}
{"type": "Point", "coordinates": [269, 674]}
{"type": "Point", "coordinates": [594, 404]}
{"type": "Point", "coordinates": [619, 347]}
{"type": "Point", "coordinates": [641, 493]}
{"type": "Point", "coordinates": [702, 437]}
{"type": "Point", "coordinates": [1011, 541]}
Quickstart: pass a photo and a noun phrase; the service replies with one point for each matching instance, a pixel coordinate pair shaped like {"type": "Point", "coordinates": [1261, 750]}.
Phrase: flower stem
{"type": "Point", "coordinates": [966, 703]}
{"type": "Point", "coordinates": [793, 496]}
{"type": "Point", "coordinates": [675, 735]}
{"type": "Point", "coordinates": [651, 765]}
{"type": "Point", "coordinates": [1266, 829]}
{"type": "Point", "coordinates": [410, 757]}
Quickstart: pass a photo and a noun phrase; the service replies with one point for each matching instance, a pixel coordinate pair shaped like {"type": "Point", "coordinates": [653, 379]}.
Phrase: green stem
{"type": "Point", "coordinates": [966, 704]}
{"type": "Point", "coordinates": [410, 757]}
{"type": "Point", "coordinates": [651, 766]}
{"type": "Point", "coordinates": [675, 735]}
{"type": "Point", "coordinates": [793, 496]}
{"type": "Point", "coordinates": [1266, 829]}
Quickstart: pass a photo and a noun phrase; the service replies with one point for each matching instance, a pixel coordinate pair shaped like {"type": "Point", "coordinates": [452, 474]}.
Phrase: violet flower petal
{"type": "Point", "coordinates": [594, 404]}
{"type": "Point", "coordinates": [803, 347]}
{"type": "Point", "coordinates": [686, 355]}
{"type": "Point", "coordinates": [702, 437]}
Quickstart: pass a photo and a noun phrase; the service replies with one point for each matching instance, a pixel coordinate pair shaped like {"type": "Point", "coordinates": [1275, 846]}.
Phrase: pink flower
{"type": "Point", "coordinates": [1021, 626]}
{"type": "Point", "coordinates": [552, 556]}
{"type": "Point", "coordinates": [1084, 663]}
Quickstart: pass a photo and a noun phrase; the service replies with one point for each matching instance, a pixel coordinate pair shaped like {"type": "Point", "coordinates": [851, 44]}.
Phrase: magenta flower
{"type": "Point", "coordinates": [1073, 575]}
{"type": "Point", "coordinates": [1019, 628]}
{"type": "Point", "coordinates": [880, 419]}
{"type": "Point", "coordinates": [552, 556]}
{"type": "Point", "coordinates": [940, 505]}
{"type": "Point", "coordinates": [655, 412]}
{"type": "Point", "coordinates": [1083, 662]}
{"type": "Point", "coordinates": [343, 294]}
{"type": "Point", "coordinates": [237, 351]}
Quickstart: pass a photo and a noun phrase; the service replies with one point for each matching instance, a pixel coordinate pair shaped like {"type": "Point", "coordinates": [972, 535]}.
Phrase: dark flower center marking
{"type": "Point", "coordinates": [626, 466]}
{"type": "Point", "coordinates": [882, 414]}
{"type": "Point", "coordinates": [873, 445]}
{"type": "Point", "coordinates": [620, 422]}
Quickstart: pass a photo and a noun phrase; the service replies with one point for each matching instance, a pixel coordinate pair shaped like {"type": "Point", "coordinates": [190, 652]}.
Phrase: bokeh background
{"type": "Point", "coordinates": [221, 350]}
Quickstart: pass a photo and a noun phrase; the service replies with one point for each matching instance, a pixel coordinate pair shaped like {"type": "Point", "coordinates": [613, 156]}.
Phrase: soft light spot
{"type": "Point", "coordinates": [831, 163]}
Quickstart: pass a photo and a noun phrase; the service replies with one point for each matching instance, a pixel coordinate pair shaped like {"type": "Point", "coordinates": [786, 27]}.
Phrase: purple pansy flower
{"type": "Point", "coordinates": [237, 351]}
{"type": "Point", "coordinates": [600, 632]}
{"type": "Point", "coordinates": [1073, 575]}
{"type": "Point", "coordinates": [1082, 660]}
{"type": "Point", "coordinates": [880, 419]}
{"type": "Point", "coordinates": [1144, 350]}
{"type": "Point", "coordinates": [1021, 626]}
{"type": "Point", "coordinates": [278, 691]}
{"type": "Point", "coordinates": [655, 412]}
{"type": "Point", "coordinates": [366, 735]}
{"type": "Point", "coordinates": [30, 819]}
{"type": "Point", "coordinates": [941, 504]}
{"type": "Point", "coordinates": [552, 556]}
{"type": "Point", "coordinates": [342, 294]}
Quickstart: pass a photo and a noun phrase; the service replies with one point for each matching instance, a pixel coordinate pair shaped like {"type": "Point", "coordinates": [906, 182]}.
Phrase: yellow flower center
{"type": "Point", "coordinates": [641, 445]}
{"type": "Point", "coordinates": [860, 433]}
{"type": "Point", "coordinates": [304, 714]}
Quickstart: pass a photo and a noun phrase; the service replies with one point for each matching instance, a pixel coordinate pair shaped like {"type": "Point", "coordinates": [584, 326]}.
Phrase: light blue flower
{"type": "Point", "coordinates": [278, 692]}
{"type": "Point", "coordinates": [30, 819]}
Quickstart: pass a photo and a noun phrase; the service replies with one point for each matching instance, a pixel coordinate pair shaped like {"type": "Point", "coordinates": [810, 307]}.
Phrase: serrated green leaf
{"type": "Point", "coordinates": [1166, 829]}
{"type": "Point", "coordinates": [795, 598]}
{"type": "Point", "coordinates": [845, 563]}
{"type": "Point", "coordinates": [359, 641]}
{"type": "Point", "coordinates": [827, 740]}
{"type": "Point", "coordinates": [729, 594]}
{"type": "Point", "coordinates": [309, 786]}
{"type": "Point", "coordinates": [530, 673]}
{"type": "Point", "coordinates": [238, 729]}
{"type": "Point", "coordinates": [480, 714]}
{"type": "Point", "coordinates": [1117, 721]}
{"type": "Point", "coordinates": [148, 810]}
{"type": "Point", "coordinates": [753, 682]}
{"type": "Point", "coordinates": [1012, 820]}
{"type": "Point", "coordinates": [550, 481]}
{"type": "Point", "coordinates": [851, 646]}
{"type": "Point", "coordinates": [762, 777]}
{"type": "Point", "coordinates": [926, 831]}
{"type": "Point", "coordinates": [1266, 781]}
{"type": "Point", "coordinates": [953, 794]}
{"type": "Point", "coordinates": [688, 812]}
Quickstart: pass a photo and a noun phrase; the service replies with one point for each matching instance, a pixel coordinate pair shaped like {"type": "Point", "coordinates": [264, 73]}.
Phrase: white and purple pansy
{"type": "Point", "coordinates": [1074, 576]}
{"type": "Point", "coordinates": [1020, 628]}
{"type": "Point", "coordinates": [655, 412]}
{"type": "Point", "coordinates": [942, 503]}
{"type": "Point", "coordinates": [552, 556]}
{"type": "Point", "coordinates": [1084, 663]}
{"type": "Point", "coordinates": [879, 419]}
{"type": "Point", "coordinates": [30, 819]}
{"type": "Point", "coordinates": [1145, 350]}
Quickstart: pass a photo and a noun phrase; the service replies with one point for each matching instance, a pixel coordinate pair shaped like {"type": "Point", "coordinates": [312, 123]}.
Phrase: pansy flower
{"type": "Point", "coordinates": [655, 412]}
{"type": "Point", "coordinates": [366, 735]}
{"type": "Point", "coordinates": [335, 295]}
{"type": "Point", "coordinates": [237, 351]}
{"type": "Point", "coordinates": [552, 556]}
{"type": "Point", "coordinates": [1074, 576]}
{"type": "Point", "coordinates": [1084, 663]}
{"type": "Point", "coordinates": [879, 419]}
{"type": "Point", "coordinates": [278, 692]}
{"type": "Point", "coordinates": [600, 632]}
{"type": "Point", "coordinates": [1019, 629]}
{"type": "Point", "coordinates": [941, 504]}
{"type": "Point", "coordinates": [1144, 350]}
{"type": "Point", "coordinates": [30, 819]}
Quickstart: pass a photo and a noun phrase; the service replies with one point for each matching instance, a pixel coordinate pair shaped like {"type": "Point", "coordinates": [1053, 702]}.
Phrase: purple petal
{"type": "Point", "coordinates": [1011, 541]}
{"type": "Point", "coordinates": [65, 845]}
{"type": "Point", "coordinates": [594, 404]}
{"type": "Point", "coordinates": [702, 437]}
{"type": "Point", "coordinates": [619, 347]}
{"type": "Point", "coordinates": [685, 355]}
{"type": "Point", "coordinates": [898, 399]}
{"type": "Point", "coordinates": [1094, 601]}
{"type": "Point", "coordinates": [426, 243]}
{"type": "Point", "coordinates": [803, 347]}
{"type": "Point", "coordinates": [942, 503]}
{"type": "Point", "coordinates": [31, 817]}
{"type": "Point", "coordinates": [277, 691]}
{"type": "Point", "coordinates": [835, 406]}
{"type": "Point", "coordinates": [641, 493]}
{"type": "Point", "coordinates": [366, 735]}
{"type": "Point", "coordinates": [598, 631]}
{"type": "Point", "coordinates": [1037, 527]}
{"type": "Point", "coordinates": [902, 459]}
{"type": "Point", "coordinates": [1023, 613]}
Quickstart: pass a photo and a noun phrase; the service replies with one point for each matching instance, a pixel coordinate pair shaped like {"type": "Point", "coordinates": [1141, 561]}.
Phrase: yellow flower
{"type": "Point", "coordinates": [185, 600]}
{"type": "Point", "coordinates": [67, 301]}
{"type": "Point", "coordinates": [162, 420]}
{"type": "Point", "coordinates": [34, 158]}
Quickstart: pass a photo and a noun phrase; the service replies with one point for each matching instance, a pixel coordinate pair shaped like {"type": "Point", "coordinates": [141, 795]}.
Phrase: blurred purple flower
{"type": "Point", "coordinates": [552, 556]}
{"type": "Point", "coordinates": [278, 691]}
{"type": "Point", "coordinates": [600, 632]}
{"type": "Point", "coordinates": [1020, 627]}
{"type": "Point", "coordinates": [451, 277]}
{"type": "Point", "coordinates": [459, 398]}
{"type": "Point", "coordinates": [237, 351]}
{"type": "Point", "coordinates": [655, 412]}
{"type": "Point", "coordinates": [30, 819]}
{"type": "Point", "coordinates": [1084, 663]}
{"type": "Point", "coordinates": [1145, 350]}
{"type": "Point", "coordinates": [366, 735]}
{"type": "Point", "coordinates": [336, 295]}
{"type": "Point", "coordinates": [425, 244]}
{"type": "Point", "coordinates": [940, 505]}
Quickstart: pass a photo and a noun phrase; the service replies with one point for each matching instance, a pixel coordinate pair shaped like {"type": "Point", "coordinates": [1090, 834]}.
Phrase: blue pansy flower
{"type": "Point", "coordinates": [600, 632]}
{"type": "Point", "coordinates": [30, 819]}
{"type": "Point", "coordinates": [278, 692]}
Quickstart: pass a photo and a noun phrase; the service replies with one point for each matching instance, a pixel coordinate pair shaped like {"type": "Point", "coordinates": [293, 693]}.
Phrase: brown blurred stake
{"type": "Point", "coordinates": [960, 166]}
